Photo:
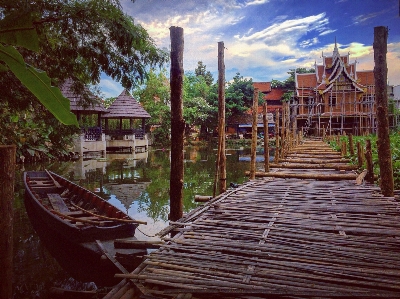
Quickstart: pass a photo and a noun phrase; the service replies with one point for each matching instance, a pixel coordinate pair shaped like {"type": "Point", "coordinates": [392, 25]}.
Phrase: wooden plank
{"type": "Point", "coordinates": [57, 203]}
{"type": "Point", "coordinates": [111, 258]}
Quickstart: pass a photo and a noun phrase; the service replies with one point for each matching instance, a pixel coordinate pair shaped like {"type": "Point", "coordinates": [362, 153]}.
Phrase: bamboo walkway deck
{"type": "Point", "coordinates": [281, 238]}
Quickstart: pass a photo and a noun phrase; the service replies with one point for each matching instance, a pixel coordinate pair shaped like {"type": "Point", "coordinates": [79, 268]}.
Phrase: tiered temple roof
{"type": "Point", "coordinates": [335, 70]}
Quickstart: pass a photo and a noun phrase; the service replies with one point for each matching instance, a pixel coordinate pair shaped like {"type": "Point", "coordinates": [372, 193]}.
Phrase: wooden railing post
{"type": "Point", "coordinates": [266, 138]}
{"type": "Point", "coordinates": [7, 174]}
{"type": "Point", "coordinates": [254, 136]}
{"type": "Point", "coordinates": [370, 166]}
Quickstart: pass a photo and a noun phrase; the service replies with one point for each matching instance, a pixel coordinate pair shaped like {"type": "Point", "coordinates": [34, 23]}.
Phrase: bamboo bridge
{"type": "Point", "coordinates": [294, 232]}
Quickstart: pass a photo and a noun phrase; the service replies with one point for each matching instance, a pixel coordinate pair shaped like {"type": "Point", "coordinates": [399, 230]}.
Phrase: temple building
{"type": "Point", "coordinates": [336, 98]}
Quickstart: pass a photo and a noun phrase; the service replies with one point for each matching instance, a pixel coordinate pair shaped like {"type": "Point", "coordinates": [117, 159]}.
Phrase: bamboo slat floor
{"type": "Point", "coordinates": [281, 238]}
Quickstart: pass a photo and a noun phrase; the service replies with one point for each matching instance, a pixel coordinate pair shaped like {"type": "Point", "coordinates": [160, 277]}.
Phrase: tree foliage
{"type": "Point", "coordinates": [239, 95]}
{"type": "Point", "coordinates": [201, 70]}
{"type": "Point", "coordinates": [196, 108]}
{"type": "Point", "coordinates": [154, 95]}
{"type": "Point", "coordinates": [75, 39]}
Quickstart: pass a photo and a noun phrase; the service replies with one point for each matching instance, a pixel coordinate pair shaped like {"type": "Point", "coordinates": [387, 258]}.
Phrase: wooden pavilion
{"type": "Point", "coordinates": [92, 138]}
{"type": "Point", "coordinates": [121, 136]}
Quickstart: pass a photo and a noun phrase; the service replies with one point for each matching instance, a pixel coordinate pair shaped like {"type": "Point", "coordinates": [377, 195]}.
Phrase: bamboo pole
{"type": "Point", "coordinates": [316, 176]}
{"type": "Point", "coordinates": [177, 124]}
{"type": "Point", "coordinates": [277, 145]}
{"type": "Point", "coordinates": [359, 155]}
{"type": "Point", "coordinates": [383, 142]}
{"type": "Point", "coordinates": [351, 144]}
{"type": "Point", "coordinates": [7, 176]}
{"type": "Point", "coordinates": [221, 109]}
{"type": "Point", "coordinates": [266, 138]}
{"type": "Point", "coordinates": [254, 135]}
{"type": "Point", "coordinates": [370, 167]}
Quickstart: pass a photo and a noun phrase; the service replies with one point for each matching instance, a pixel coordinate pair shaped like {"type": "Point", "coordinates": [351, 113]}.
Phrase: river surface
{"type": "Point", "coordinates": [135, 183]}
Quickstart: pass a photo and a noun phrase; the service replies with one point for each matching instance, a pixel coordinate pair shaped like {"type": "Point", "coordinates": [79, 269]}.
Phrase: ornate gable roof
{"type": "Point", "coordinates": [335, 70]}
{"type": "Point", "coordinates": [125, 106]}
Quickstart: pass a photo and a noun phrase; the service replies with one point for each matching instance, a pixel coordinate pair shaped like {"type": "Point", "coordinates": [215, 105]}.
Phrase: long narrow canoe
{"type": "Point", "coordinates": [74, 212]}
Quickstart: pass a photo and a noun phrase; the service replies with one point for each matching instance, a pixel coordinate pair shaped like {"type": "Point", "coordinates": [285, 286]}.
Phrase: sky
{"type": "Point", "coordinates": [264, 39]}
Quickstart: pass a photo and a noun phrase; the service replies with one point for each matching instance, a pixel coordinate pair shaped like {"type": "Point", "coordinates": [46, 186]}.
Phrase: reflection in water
{"type": "Point", "coordinates": [137, 183]}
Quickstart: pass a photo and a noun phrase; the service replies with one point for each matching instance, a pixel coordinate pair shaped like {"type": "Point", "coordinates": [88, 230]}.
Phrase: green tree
{"type": "Point", "coordinates": [196, 109]}
{"type": "Point", "coordinates": [239, 95]}
{"type": "Point", "coordinates": [73, 39]}
{"type": "Point", "coordinates": [201, 70]}
{"type": "Point", "coordinates": [154, 95]}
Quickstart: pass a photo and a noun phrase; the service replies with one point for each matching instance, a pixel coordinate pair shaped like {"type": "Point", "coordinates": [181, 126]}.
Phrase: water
{"type": "Point", "coordinates": [135, 183]}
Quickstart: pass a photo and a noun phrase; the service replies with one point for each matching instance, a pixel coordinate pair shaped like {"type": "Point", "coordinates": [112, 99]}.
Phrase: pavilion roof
{"type": "Point", "coordinates": [125, 106]}
{"type": "Point", "coordinates": [76, 101]}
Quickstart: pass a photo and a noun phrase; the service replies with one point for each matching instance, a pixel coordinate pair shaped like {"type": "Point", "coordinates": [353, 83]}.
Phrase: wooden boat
{"type": "Point", "coordinates": [80, 229]}
{"type": "Point", "coordinates": [74, 211]}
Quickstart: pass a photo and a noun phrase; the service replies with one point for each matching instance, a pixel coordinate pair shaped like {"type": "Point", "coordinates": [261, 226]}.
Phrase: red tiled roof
{"type": "Point", "coordinates": [366, 78]}
{"type": "Point", "coordinates": [306, 80]}
{"type": "Point", "coordinates": [275, 94]}
{"type": "Point", "coordinates": [262, 86]}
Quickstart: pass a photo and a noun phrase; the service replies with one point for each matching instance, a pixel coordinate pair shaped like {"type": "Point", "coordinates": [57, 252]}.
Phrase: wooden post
{"type": "Point", "coordinates": [370, 166]}
{"type": "Point", "coordinates": [351, 145]}
{"type": "Point", "coordinates": [221, 109]}
{"type": "Point", "coordinates": [283, 132]}
{"type": "Point", "coordinates": [277, 136]}
{"type": "Point", "coordinates": [266, 138]}
{"type": "Point", "coordinates": [177, 124]}
{"type": "Point", "coordinates": [7, 174]}
{"type": "Point", "coordinates": [383, 142]}
{"type": "Point", "coordinates": [254, 136]}
{"type": "Point", "coordinates": [359, 155]}
{"type": "Point", "coordinates": [344, 148]}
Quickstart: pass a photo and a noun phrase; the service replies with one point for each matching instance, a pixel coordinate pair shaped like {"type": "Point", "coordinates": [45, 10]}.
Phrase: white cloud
{"type": "Point", "coordinates": [256, 2]}
{"type": "Point", "coordinates": [110, 88]}
{"type": "Point", "coordinates": [289, 30]}
{"type": "Point", "coordinates": [309, 42]}
{"type": "Point", "coordinates": [327, 32]}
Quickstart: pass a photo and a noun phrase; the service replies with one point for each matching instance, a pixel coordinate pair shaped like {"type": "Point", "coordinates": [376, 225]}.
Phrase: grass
{"type": "Point", "coordinates": [395, 151]}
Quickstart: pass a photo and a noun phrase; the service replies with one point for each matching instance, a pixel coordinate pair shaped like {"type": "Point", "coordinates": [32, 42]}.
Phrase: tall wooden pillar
{"type": "Point", "coordinates": [254, 136]}
{"type": "Point", "coordinates": [266, 138]}
{"type": "Point", "coordinates": [221, 110]}
{"type": "Point", "coordinates": [177, 124]}
{"type": "Point", "coordinates": [7, 173]}
{"type": "Point", "coordinates": [383, 142]}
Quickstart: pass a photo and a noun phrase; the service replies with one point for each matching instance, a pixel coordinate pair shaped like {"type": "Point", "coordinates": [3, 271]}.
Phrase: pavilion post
{"type": "Point", "coordinates": [177, 124]}
{"type": "Point", "coordinates": [144, 125]}
{"type": "Point", "coordinates": [383, 142]}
